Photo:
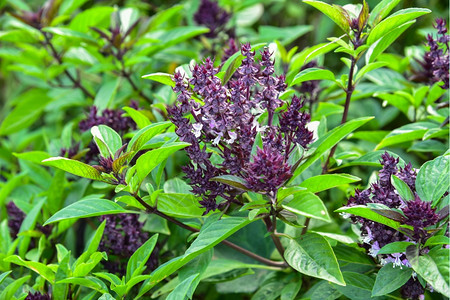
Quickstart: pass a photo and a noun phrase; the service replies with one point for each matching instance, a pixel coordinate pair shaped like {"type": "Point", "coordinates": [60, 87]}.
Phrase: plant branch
{"type": "Point", "coordinates": [76, 82]}
{"type": "Point", "coordinates": [256, 257]}
{"type": "Point", "coordinates": [349, 91]}
{"type": "Point", "coordinates": [271, 227]}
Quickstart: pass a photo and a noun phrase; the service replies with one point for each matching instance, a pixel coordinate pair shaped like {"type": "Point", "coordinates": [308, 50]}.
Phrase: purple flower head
{"type": "Point", "coordinates": [109, 117]}
{"type": "Point", "coordinates": [268, 171]}
{"type": "Point", "coordinates": [230, 50]}
{"type": "Point", "coordinates": [419, 214]}
{"type": "Point", "coordinates": [293, 122]}
{"type": "Point", "coordinates": [211, 15]}
{"type": "Point", "coordinates": [389, 164]}
{"type": "Point", "coordinates": [37, 296]}
{"type": "Point", "coordinates": [223, 125]}
{"type": "Point", "coordinates": [122, 236]}
{"type": "Point", "coordinates": [435, 63]}
{"type": "Point", "coordinates": [15, 218]}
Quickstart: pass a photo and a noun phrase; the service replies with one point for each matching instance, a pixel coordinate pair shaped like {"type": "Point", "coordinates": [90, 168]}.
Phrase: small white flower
{"type": "Point", "coordinates": [217, 139]}
{"type": "Point", "coordinates": [233, 137]}
{"type": "Point", "coordinates": [197, 129]}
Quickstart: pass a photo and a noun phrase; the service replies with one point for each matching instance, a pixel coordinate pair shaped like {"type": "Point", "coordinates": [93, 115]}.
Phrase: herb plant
{"type": "Point", "coordinates": [218, 149]}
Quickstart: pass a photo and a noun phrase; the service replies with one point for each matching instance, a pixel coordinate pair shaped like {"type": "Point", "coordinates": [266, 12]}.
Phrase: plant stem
{"type": "Point", "coordinates": [349, 92]}
{"type": "Point", "coordinates": [261, 259]}
{"type": "Point", "coordinates": [54, 53]}
{"type": "Point", "coordinates": [271, 227]}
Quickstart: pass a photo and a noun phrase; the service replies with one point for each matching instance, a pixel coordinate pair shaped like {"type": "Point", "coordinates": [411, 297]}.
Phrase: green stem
{"type": "Point", "coordinates": [349, 92]}
{"type": "Point", "coordinates": [256, 257]}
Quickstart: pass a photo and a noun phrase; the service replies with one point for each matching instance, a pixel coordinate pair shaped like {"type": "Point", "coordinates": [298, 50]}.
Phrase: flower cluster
{"type": "Point", "coordinates": [223, 128]}
{"type": "Point", "coordinates": [122, 236]}
{"type": "Point", "coordinates": [435, 63]}
{"type": "Point", "coordinates": [211, 15]}
{"type": "Point", "coordinates": [37, 296]}
{"type": "Point", "coordinates": [417, 213]}
{"type": "Point", "coordinates": [15, 219]}
{"type": "Point", "coordinates": [110, 117]}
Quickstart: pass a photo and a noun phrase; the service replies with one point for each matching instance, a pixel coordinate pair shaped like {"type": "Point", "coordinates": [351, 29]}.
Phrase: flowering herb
{"type": "Point", "coordinates": [417, 213]}
{"type": "Point", "coordinates": [37, 296]}
{"type": "Point", "coordinates": [225, 124]}
{"type": "Point", "coordinates": [211, 15]}
{"type": "Point", "coordinates": [435, 62]}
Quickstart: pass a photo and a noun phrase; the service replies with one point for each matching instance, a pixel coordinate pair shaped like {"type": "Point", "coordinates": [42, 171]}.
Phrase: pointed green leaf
{"type": "Point", "coordinates": [37, 267]}
{"type": "Point", "coordinates": [137, 261]}
{"type": "Point", "coordinates": [368, 213]}
{"type": "Point", "coordinates": [74, 167]}
{"type": "Point", "coordinates": [109, 137]}
{"type": "Point", "coordinates": [393, 21]}
{"type": "Point", "coordinates": [324, 182]}
{"type": "Point", "coordinates": [145, 134]}
{"type": "Point", "coordinates": [151, 159]}
{"type": "Point", "coordinates": [312, 74]}
{"type": "Point", "coordinates": [434, 268]}
{"type": "Point", "coordinates": [163, 78]}
{"type": "Point", "coordinates": [433, 179]}
{"type": "Point", "coordinates": [395, 247]}
{"type": "Point", "coordinates": [312, 255]}
{"type": "Point", "coordinates": [326, 142]}
{"type": "Point", "coordinates": [389, 279]}
{"type": "Point", "coordinates": [85, 209]}
{"type": "Point", "coordinates": [333, 12]}
{"type": "Point", "coordinates": [402, 188]}
{"type": "Point", "coordinates": [406, 133]}
{"type": "Point", "coordinates": [309, 205]}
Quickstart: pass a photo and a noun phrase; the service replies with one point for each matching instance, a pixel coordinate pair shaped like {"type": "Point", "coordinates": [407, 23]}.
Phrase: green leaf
{"type": "Point", "coordinates": [389, 279]}
{"type": "Point", "coordinates": [139, 118]}
{"type": "Point", "coordinates": [182, 289]}
{"type": "Point", "coordinates": [309, 205]}
{"type": "Point", "coordinates": [109, 137]}
{"type": "Point", "coordinates": [290, 291]}
{"type": "Point", "coordinates": [145, 134]}
{"type": "Point", "coordinates": [4, 275]}
{"type": "Point", "coordinates": [395, 247]}
{"type": "Point", "coordinates": [359, 286]}
{"type": "Point", "coordinates": [70, 34]}
{"type": "Point", "coordinates": [368, 213]}
{"type": "Point", "coordinates": [312, 74]}
{"type": "Point", "coordinates": [381, 10]}
{"type": "Point", "coordinates": [85, 209]}
{"type": "Point", "coordinates": [33, 156]}
{"type": "Point", "coordinates": [328, 141]}
{"type": "Point", "coordinates": [210, 235]}
{"type": "Point", "coordinates": [74, 167]}
{"type": "Point", "coordinates": [437, 240]}
{"type": "Point", "coordinates": [402, 188]}
{"type": "Point", "coordinates": [406, 133]}
{"type": "Point", "coordinates": [334, 12]}
{"type": "Point", "coordinates": [432, 179]}
{"type": "Point", "coordinates": [163, 78]}
{"type": "Point", "coordinates": [312, 255]}
{"type": "Point", "coordinates": [26, 112]}
{"type": "Point", "coordinates": [231, 180]}
{"type": "Point", "coordinates": [151, 159]}
{"type": "Point", "coordinates": [383, 43]}
{"type": "Point", "coordinates": [179, 205]}
{"type": "Point", "coordinates": [9, 291]}
{"type": "Point", "coordinates": [89, 282]}
{"type": "Point", "coordinates": [434, 268]}
{"type": "Point", "coordinates": [393, 21]}
{"type": "Point", "coordinates": [371, 159]}
{"type": "Point", "coordinates": [320, 183]}
{"type": "Point", "coordinates": [37, 267]}
{"type": "Point", "coordinates": [106, 93]}
{"type": "Point", "coordinates": [369, 67]}
{"type": "Point", "coordinates": [137, 261]}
